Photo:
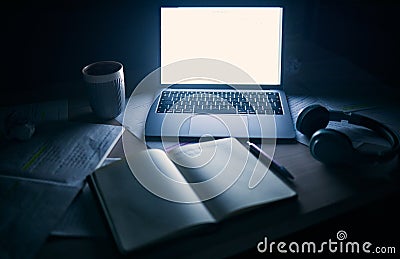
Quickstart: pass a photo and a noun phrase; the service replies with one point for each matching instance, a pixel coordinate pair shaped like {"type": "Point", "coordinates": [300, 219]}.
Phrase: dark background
{"type": "Point", "coordinates": [46, 44]}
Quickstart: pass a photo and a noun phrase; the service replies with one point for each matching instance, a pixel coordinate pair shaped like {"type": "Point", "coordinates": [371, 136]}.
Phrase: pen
{"type": "Point", "coordinates": [274, 165]}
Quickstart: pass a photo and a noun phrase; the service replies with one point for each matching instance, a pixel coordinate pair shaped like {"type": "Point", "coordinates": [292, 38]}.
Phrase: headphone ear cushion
{"type": "Point", "coordinates": [311, 119]}
{"type": "Point", "coordinates": [331, 147]}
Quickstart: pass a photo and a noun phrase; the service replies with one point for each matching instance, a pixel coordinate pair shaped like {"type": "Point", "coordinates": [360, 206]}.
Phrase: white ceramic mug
{"type": "Point", "coordinates": [105, 87]}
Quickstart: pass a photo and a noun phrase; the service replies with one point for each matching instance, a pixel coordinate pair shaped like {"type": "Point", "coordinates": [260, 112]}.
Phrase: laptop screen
{"type": "Point", "coordinates": [249, 38]}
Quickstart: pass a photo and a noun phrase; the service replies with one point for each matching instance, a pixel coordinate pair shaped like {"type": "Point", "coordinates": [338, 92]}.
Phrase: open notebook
{"type": "Point", "coordinates": [139, 218]}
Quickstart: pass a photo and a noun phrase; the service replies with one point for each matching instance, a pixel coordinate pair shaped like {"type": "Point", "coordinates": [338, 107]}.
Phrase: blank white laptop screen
{"type": "Point", "coordinates": [249, 38]}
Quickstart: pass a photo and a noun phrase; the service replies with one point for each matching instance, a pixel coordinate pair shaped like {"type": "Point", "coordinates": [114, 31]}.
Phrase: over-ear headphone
{"type": "Point", "coordinates": [334, 147]}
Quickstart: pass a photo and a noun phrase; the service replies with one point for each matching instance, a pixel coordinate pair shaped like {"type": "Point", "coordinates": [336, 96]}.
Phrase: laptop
{"type": "Point", "coordinates": [221, 72]}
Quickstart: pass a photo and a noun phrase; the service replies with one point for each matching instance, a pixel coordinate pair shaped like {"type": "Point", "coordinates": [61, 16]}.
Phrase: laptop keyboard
{"type": "Point", "coordinates": [220, 102]}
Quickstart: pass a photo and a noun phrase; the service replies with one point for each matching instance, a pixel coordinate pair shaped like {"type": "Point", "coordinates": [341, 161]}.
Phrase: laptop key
{"type": "Point", "coordinates": [220, 102]}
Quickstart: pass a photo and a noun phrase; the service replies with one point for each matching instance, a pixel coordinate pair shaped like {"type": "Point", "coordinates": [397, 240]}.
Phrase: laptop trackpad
{"type": "Point", "coordinates": [218, 125]}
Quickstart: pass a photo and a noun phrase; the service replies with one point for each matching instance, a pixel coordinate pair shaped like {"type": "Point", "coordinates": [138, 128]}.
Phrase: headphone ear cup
{"type": "Point", "coordinates": [311, 119]}
{"type": "Point", "coordinates": [331, 147]}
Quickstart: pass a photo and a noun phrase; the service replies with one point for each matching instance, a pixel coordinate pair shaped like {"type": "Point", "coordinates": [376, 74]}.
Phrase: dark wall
{"type": "Point", "coordinates": [365, 31]}
{"type": "Point", "coordinates": [46, 44]}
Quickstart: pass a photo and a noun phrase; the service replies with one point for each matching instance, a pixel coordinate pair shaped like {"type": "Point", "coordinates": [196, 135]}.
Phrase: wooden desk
{"type": "Point", "coordinates": [323, 193]}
